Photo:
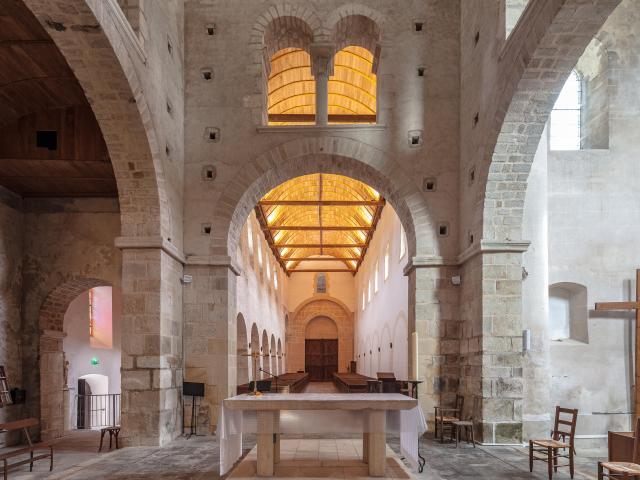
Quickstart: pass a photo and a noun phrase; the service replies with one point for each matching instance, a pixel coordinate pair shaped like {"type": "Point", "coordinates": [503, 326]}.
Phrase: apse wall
{"type": "Point", "coordinates": [258, 299]}
{"type": "Point", "coordinates": [381, 343]}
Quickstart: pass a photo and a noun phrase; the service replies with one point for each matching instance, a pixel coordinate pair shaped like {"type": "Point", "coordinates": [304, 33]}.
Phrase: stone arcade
{"type": "Point", "coordinates": [440, 191]}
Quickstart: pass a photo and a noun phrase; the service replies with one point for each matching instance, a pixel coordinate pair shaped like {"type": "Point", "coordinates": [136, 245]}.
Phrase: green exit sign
{"type": "Point", "coordinates": [95, 361]}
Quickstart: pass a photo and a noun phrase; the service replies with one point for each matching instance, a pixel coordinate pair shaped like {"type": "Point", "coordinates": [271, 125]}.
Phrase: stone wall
{"type": "Point", "coordinates": [11, 252]}
{"type": "Point", "coordinates": [321, 305]}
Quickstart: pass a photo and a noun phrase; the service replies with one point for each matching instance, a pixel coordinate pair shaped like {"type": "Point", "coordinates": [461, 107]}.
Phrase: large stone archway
{"type": "Point", "coordinates": [110, 63]}
{"type": "Point", "coordinates": [51, 360]}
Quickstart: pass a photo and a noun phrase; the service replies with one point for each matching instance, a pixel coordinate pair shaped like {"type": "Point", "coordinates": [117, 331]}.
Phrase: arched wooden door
{"type": "Point", "coordinates": [321, 349]}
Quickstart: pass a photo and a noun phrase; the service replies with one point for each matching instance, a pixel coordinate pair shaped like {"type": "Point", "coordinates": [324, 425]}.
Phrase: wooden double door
{"type": "Point", "coordinates": [321, 359]}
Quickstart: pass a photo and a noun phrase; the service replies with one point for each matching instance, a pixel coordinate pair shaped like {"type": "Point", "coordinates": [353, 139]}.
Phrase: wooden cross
{"type": "Point", "coordinates": [630, 306]}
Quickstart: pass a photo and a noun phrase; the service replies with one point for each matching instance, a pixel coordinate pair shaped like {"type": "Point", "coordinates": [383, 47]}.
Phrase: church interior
{"type": "Point", "coordinates": [319, 239]}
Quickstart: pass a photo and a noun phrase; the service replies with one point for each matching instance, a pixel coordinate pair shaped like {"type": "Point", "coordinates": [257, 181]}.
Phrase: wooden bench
{"type": "Point", "coordinates": [30, 449]}
{"type": "Point", "coordinates": [351, 382]}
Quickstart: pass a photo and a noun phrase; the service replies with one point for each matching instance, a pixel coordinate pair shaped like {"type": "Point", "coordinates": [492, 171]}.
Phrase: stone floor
{"type": "Point", "coordinates": [76, 458]}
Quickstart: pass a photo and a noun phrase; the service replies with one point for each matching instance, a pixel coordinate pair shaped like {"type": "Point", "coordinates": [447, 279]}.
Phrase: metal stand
{"type": "Point", "coordinates": [193, 429]}
{"type": "Point", "coordinates": [272, 375]}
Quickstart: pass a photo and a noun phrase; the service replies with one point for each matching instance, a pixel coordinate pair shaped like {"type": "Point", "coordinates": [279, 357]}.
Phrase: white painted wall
{"type": "Point", "coordinates": [384, 319]}
{"type": "Point", "coordinates": [257, 298]}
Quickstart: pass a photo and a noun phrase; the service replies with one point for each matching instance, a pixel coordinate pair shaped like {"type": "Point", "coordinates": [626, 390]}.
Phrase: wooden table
{"type": "Point", "coordinates": [374, 406]}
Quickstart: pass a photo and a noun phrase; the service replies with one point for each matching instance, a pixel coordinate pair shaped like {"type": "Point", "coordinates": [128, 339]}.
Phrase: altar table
{"type": "Point", "coordinates": [370, 411]}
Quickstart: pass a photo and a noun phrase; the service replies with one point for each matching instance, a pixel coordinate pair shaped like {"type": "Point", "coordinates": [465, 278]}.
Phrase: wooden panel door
{"type": "Point", "coordinates": [321, 359]}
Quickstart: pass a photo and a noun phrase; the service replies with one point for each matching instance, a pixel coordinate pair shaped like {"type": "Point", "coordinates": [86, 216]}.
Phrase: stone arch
{"type": "Point", "coordinates": [51, 322]}
{"type": "Point", "coordinates": [279, 352]}
{"type": "Point", "coordinates": [319, 305]}
{"type": "Point", "coordinates": [255, 348]}
{"type": "Point", "coordinates": [360, 31]}
{"type": "Point", "coordinates": [355, 10]}
{"type": "Point", "coordinates": [529, 91]}
{"type": "Point", "coordinates": [264, 352]}
{"type": "Point", "coordinates": [110, 82]}
{"type": "Point", "coordinates": [273, 364]}
{"type": "Point", "coordinates": [337, 155]}
{"type": "Point", "coordinates": [242, 351]}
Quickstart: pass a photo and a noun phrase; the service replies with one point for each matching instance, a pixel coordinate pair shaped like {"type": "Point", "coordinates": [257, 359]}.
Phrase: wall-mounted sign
{"type": "Point", "coordinates": [95, 361]}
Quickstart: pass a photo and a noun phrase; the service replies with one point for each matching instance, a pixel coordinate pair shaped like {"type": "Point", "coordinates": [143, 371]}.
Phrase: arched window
{"type": "Point", "coordinates": [376, 275]}
{"type": "Point", "coordinates": [565, 128]}
{"type": "Point", "coordinates": [321, 283]}
{"type": "Point", "coordinates": [403, 243]}
{"type": "Point", "coordinates": [386, 260]}
{"type": "Point", "coordinates": [249, 236]}
{"type": "Point", "coordinates": [292, 88]}
{"type": "Point", "coordinates": [352, 87]}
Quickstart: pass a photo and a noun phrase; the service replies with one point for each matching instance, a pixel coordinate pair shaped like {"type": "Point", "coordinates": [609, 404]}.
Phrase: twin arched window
{"type": "Point", "coordinates": [344, 92]}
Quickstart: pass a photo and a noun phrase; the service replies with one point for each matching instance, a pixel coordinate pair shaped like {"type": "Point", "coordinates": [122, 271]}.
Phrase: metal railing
{"type": "Point", "coordinates": [97, 411]}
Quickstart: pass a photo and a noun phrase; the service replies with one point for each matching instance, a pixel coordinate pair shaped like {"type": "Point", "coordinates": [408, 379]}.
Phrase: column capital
{"type": "Point", "coordinates": [150, 243]}
{"type": "Point", "coordinates": [322, 58]}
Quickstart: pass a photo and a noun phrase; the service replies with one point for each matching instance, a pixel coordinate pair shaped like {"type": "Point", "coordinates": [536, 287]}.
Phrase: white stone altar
{"type": "Point", "coordinates": [371, 415]}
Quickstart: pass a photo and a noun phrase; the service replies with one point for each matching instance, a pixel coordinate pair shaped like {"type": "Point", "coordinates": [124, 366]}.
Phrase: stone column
{"type": "Point", "coordinates": [434, 320]}
{"type": "Point", "coordinates": [322, 69]}
{"type": "Point", "coordinates": [535, 300]}
{"type": "Point", "coordinates": [52, 411]}
{"type": "Point", "coordinates": [210, 334]}
{"type": "Point", "coordinates": [151, 341]}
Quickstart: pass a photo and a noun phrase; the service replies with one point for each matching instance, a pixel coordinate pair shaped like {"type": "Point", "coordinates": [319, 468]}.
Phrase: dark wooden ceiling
{"type": "Point", "coordinates": [39, 92]}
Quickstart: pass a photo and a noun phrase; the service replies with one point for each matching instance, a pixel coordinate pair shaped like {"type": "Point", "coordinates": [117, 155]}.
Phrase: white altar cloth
{"type": "Point", "coordinates": [408, 423]}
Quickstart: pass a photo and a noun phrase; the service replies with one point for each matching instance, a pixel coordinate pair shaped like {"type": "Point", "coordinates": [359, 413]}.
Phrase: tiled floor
{"type": "Point", "coordinates": [325, 458]}
{"type": "Point", "coordinates": [76, 458]}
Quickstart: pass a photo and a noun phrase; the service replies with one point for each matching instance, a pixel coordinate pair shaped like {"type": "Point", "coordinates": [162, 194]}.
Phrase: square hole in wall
{"type": "Point", "coordinates": [207, 74]}
{"type": "Point", "coordinates": [418, 26]}
{"type": "Point", "coordinates": [429, 184]}
{"type": "Point", "coordinates": [476, 39]}
{"type": "Point", "coordinates": [476, 119]}
{"type": "Point", "coordinates": [47, 139]}
{"type": "Point", "coordinates": [443, 229]}
{"type": "Point", "coordinates": [205, 229]}
{"type": "Point", "coordinates": [391, 345]}
{"type": "Point", "coordinates": [209, 173]}
{"type": "Point", "coordinates": [421, 71]}
{"type": "Point", "coordinates": [169, 46]}
{"type": "Point", "coordinates": [415, 138]}
{"type": "Point", "coordinates": [472, 175]}
{"type": "Point", "coordinates": [169, 108]}
{"type": "Point", "coordinates": [471, 238]}
{"type": "Point", "coordinates": [167, 150]}
{"type": "Point", "coordinates": [212, 134]}
{"type": "Point", "coordinates": [210, 28]}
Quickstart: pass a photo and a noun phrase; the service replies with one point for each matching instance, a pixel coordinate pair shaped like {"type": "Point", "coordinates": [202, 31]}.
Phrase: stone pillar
{"type": "Point", "coordinates": [501, 345]}
{"type": "Point", "coordinates": [322, 69]}
{"type": "Point", "coordinates": [210, 336]}
{"type": "Point", "coordinates": [434, 320]}
{"type": "Point", "coordinates": [151, 342]}
{"type": "Point", "coordinates": [535, 300]}
{"type": "Point", "coordinates": [52, 411]}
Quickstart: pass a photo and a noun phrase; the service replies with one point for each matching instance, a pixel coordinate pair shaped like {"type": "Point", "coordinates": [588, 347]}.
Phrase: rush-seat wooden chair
{"type": "Point", "coordinates": [623, 469]}
{"type": "Point", "coordinates": [562, 438]}
{"type": "Point", "coordinates": [445, 416]}
{"type": "Point", "coordinates": [467, 425]}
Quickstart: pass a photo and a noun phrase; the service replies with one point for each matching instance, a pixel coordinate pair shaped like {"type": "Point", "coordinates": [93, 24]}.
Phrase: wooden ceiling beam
{"type": "Point", "coordinates": [321, 259]}
{"type": "Point", "coordinates": [317, 245]}
{"type": "Point", "coordinates": [322, 203]}
{"type": "Point", "coordinates": [16, 41]}
{"type": "Point", "coordinates": [262, 220]}
{"type": "Point", "coordinates": [323, 270]}
{"type": "Point", "coordinates": [333, 228]}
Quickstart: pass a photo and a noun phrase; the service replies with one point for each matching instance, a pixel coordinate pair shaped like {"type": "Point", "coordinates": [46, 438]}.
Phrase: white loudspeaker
{"type": "Point", "coordinates": [186, 279]}
{"type": "Point", "coordinates": [456, 280]}
{"type": "Point", "coordinates": [526, 340]}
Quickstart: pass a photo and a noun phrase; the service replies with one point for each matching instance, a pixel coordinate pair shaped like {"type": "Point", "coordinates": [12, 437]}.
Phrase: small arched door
{"type": "Point", "coordinates": [321, 349]}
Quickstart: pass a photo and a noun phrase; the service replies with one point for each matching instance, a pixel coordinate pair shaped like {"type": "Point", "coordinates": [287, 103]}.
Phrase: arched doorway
{"type": "Point", "coordinates": [242, 351]}
{"type": "Point", "coordinates": [64, 307]}
{"type": "Point", "coordinates": [264, 354]}
{"type": "Point", "coordinates": [321, 349]}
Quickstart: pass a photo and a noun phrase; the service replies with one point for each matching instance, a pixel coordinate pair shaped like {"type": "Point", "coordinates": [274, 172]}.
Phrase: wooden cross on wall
{"type": "Point", "coordinates": [630, 306]}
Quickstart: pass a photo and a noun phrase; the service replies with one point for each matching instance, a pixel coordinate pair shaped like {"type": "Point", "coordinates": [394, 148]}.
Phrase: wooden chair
{"type": "Point", "coordinates": [445, 416]}
{"type": "Point", "coordinates": [623, 469]}
{"type": "Point", "coordinates": [45, 447]}
{"type": "Point", "coordinates": [550, 448]}
{"type": "Point", "coordinates": [467, 425]}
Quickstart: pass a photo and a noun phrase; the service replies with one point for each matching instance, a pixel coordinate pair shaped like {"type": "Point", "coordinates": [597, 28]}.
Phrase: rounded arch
{"type": "Point", "coordinates": [51, 321]}
{"type": "Point", "coordinates": [336, 155]}
{"type": "Point", "coordinates": [279, 353]}
{"type": "Point", "coordinates": [526, 97]}
{"type": "Point", "coordinates": [355, 10]}
{"type": "Point", "coordinates": [358, 30]}
{"type": "Point", "coordinates": [242, 351]}
{"type": "Point", "coordinates": [255, 338]}
{"type": "Point", "coordinates": [116, 95]}
{"type": "Point", "coordinates": [321, 326]}
{"type": "Point", "coordinates": [386, 350]}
